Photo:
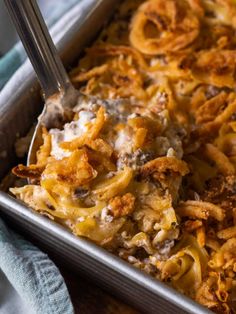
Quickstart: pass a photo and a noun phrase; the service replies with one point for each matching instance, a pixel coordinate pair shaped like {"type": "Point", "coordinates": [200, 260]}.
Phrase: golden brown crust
{"type": "Point", "coordinates": [122, 205]}
{"type": "Point", "coordinates": [32, 172]}
{"type": "Point", "coordinates": [215, 67]}
{"type": "Point", "coordinates": [73, 171]}
{"type": "Point", "coordinates": [176, 26]}
{"type": "Point", "coordinates": [163, 164]}
{"type": "Point", "coordinates": [153, 181]}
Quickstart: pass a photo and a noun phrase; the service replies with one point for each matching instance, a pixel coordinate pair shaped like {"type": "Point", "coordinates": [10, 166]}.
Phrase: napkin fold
{"type": "Point", "coordinates": [29, 281]}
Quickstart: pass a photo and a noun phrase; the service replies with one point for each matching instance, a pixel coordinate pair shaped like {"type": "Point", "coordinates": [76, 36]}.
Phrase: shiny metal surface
{"type": "Point", "coordinates": [47, 64]}
{"type": "Point", "coordinates": [39, 46]}
{"type": "Point", "coordinates": [20, 101]}
{"type": "Point", "coordinates": [115, 275]}
{"type": "Point", "coordinates": [109, 271]}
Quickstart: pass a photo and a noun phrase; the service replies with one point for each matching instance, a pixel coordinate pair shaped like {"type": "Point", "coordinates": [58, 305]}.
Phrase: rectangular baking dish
{"type": "Point", "coordinates": [20, 103]}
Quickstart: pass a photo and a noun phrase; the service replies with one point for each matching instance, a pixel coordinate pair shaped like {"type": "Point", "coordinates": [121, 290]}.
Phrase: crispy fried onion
{"type": "Point", "coordinates": [215, 67]}
{"type": "Point", "coordinates": [91, 133]}
{"type": "Point", "coordinates": [222, 106]}
{"type": "Point", "coordinates": [98, 150]}
{"type": "Point", "coordinates": [220, 10]}
{"type": "Point", "coordinates": [145, 130]}
{"type": "Point", "coordinates": [221, 161]}
{"type": "Point", "coordinates": [99, 153]}
{"type": "Point", "coordinates": [34, 171]}
{"type": "Point", "coordinates": [225, 257]}
{"type": "Point", "coordinates": [226, 141]}
{"type": "Point", "coordinates": [200, 210]}
{"type": "Point", "coordinates": [78, 76]}
{"type": "Point", "coordinates": [227, 233]}
{"type": "Point", "coordinates": [162, 165]}
{"type": "Point", "coordinates": [116, 51]}
{"type": "Point", "coordinates": [192, 225]}
{"type": "Point", "coordinates": [211, 108]}
{"type": "Point", "coordinates": [118, 77]}
{"type": "Point", "coordinates": [31, 172]}
{"type": "Point", "coordinates": [165, 26]}
{"type": "Point", "coordinates": [44, 151]}
{"type": "Point", "coordinates": [214, 292]}
{"type": "Point", "coordinates": [73, 171]}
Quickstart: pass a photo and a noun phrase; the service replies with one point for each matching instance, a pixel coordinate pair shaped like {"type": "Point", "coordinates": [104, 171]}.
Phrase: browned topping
{"type": "Point", "coordinates": [32, 172]}
{"type": "Point", "coordinates": [163, 164]}
{"type": "Point", "coordinates": [122, 205]}
{"type": "Point", "coordinates": [154, 180]}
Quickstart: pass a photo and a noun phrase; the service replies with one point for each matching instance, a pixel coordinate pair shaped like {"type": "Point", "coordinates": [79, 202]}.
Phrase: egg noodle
{"type": "Point", "coordinates": [152, 178]}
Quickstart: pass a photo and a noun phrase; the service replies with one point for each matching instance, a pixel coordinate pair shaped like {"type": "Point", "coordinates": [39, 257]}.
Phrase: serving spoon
{"type": "Point", "coordinates": [59, 94]}
{"type": "Point", "coordinates": [50, 71]}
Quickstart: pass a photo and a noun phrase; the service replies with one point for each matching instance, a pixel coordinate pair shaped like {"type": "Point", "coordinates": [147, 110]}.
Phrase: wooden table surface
{"type": "Point", "coordinates": [87, 298]}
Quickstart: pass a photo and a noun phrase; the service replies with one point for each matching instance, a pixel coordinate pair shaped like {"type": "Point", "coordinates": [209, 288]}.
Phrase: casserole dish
{"type": "Point", "coordinates": [16, 116]}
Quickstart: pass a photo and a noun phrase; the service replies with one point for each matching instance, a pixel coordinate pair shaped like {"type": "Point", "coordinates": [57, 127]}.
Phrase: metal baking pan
{"type": "Point", "coordinates": [20, 104]}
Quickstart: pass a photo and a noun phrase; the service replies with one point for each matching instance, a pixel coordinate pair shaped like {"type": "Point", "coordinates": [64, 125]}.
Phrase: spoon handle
{"type": "Point", "coordinates": [39, 46]}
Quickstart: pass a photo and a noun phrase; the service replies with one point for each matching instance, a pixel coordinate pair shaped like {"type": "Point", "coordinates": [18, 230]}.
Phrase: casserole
{"type": "Point", "coordinates": [148, 282]}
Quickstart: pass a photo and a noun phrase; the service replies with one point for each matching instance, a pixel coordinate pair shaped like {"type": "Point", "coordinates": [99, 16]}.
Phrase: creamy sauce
{"type": "Point", "coordinates": [70, 132]}
{"type": "Point", "coordinates": [123, 143]}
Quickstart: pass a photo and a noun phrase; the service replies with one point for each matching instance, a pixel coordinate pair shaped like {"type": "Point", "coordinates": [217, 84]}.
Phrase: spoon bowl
{"type": "Point", "coordinates": [59, 94]}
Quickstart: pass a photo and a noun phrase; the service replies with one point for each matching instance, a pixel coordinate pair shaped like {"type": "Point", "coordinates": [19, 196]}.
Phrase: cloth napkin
{"type": "Point", "coordinates": [29, 281]}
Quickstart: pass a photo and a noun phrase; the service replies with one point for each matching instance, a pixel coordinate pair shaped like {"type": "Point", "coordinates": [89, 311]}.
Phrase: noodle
{"type": "Point", "coordinates": [152, 177]}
